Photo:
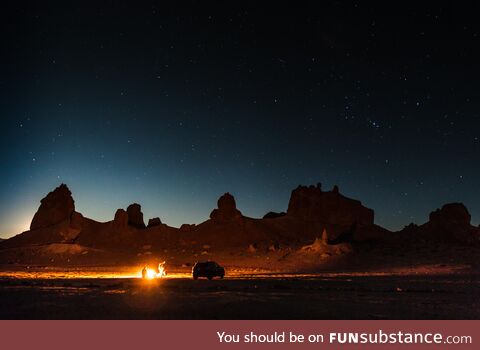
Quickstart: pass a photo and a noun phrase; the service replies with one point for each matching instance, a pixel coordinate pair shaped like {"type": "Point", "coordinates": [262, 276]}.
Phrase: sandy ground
{"type": "Point", "coordinates": [104, 294]}
{"type": "Point", "coordinates": [375, 283]}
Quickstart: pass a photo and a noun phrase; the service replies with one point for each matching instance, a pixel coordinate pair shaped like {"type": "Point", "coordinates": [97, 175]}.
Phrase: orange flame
{"type": "Point", "coordinates": [159, 273]}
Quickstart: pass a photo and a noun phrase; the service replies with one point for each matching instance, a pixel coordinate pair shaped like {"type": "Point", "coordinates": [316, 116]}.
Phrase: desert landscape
{"type": "Point", "coordinates": [324, 258]}
{"type": "Point", "coordinates": [322, 157]}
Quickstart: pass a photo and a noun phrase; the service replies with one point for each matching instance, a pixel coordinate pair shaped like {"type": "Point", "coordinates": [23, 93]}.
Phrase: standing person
{"type": "Point", "coordinates": [161, 269]}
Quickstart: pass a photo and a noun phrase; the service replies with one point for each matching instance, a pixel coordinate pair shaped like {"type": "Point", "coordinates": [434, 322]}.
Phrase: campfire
{"type": "Point", "coordinates": [159, 272]}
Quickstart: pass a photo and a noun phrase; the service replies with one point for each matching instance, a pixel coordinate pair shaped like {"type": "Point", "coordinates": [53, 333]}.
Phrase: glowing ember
{"type": "Point", "coordinates": [150, 274]}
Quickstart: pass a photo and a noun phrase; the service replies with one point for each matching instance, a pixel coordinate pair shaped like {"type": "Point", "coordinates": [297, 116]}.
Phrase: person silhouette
{"type": "Point", "coordinates": [161, 269]}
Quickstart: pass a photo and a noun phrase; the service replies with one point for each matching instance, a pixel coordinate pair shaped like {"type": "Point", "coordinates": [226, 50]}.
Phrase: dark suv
{"type": "Point", "coordinates": [208, 269]}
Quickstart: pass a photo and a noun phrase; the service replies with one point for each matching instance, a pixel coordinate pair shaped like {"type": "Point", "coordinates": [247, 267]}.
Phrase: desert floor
{"type": "Point", "coordinates": [98, 294]}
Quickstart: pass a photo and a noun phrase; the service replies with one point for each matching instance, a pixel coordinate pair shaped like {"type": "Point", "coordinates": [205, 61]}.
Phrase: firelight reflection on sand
{"type": "Point", "coordinates": [86, 274]}
{"type": "Point", "coordinates": [233, 273]}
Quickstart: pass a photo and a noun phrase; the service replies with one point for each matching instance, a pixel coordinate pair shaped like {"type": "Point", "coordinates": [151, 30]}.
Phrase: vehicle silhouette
{"type": "Point", "coordinates": [208, 269]}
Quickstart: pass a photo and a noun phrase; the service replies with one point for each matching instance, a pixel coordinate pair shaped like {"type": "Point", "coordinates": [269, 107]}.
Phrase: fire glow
{"type": "Point", "coordinates": [148, 273]}
{"type": "Point", "coordinates": [151, 274]}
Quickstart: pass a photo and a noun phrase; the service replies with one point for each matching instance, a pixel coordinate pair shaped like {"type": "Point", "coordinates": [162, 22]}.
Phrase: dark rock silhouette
{"type": "Point", "coordinates": [56, 207]}
{"type": "Point", "coordinates": [154, 222]}
{"type": "Point", "coordinates": [135, 215]}
{"type": "Point", "coordinates": [451, 222]}
{"type": "Point", "coordinates": [344, 237]}
{"type": "Point", "coordinates": [121, 219]}
{"type": "Point", "coordinates": [187, 227]}
{"type": "Point", "coordinates": [227, 209]}
{"type": "Point", "coordinates": [76, 221]}
{"type": "Point", "coordinates": [451, 214]}
{"type": "Point", "coordinates": [57, 229]}
{"type": "Point", "coordinates": [274, 215]}
{"type": "Point", "coordinates": [312, 204]}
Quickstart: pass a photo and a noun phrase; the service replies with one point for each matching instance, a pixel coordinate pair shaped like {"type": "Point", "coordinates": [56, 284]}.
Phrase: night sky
{"type": "Point", "coordinates": [171, 105]}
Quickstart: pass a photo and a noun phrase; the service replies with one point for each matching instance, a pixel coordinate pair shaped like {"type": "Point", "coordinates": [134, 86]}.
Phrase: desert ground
{"type": "Point", "coordinates": [106, 293]}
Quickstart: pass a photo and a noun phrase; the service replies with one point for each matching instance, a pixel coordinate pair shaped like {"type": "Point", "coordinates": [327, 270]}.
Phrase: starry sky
{"type": "Point", "coordinates": [172, 104]}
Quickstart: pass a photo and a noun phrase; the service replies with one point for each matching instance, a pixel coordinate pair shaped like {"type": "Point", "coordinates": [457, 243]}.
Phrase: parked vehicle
{"type": "Point", "coordinates": [208, 269]}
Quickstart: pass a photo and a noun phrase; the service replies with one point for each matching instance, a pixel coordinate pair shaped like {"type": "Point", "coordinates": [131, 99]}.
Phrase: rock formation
{"type": "Point", "coordinates": [135, 215]}
{"type": "Point", "coordinates": [227, 209]}
{"type": "Point", "coordinates": [322, 247]}
{"type": "Point", "coordinates": [451, 222]}
{"type": "Point", "coordinates": [56, 207]}
{"type": "Point", "coordinates": [324, 236]}
{"type": "Point", "coordinates": [311, 211]}
{"type": "Point", "coordinates": [76, 221]}
{"type": "Point", "coordinates": [344, 237]}
{"type": "Point", "coordinates": [274, 215]}
{"type": "Point", "coordinates": [312, 204]}
{"type": "Point", "coordinates": [451, 214]}
{"type": "Point", "coordinates": [121, 219]}
{"type": "Point", "coordinates": [187, 227]}
{"type": "Point", "coordinates": [154, 222]}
